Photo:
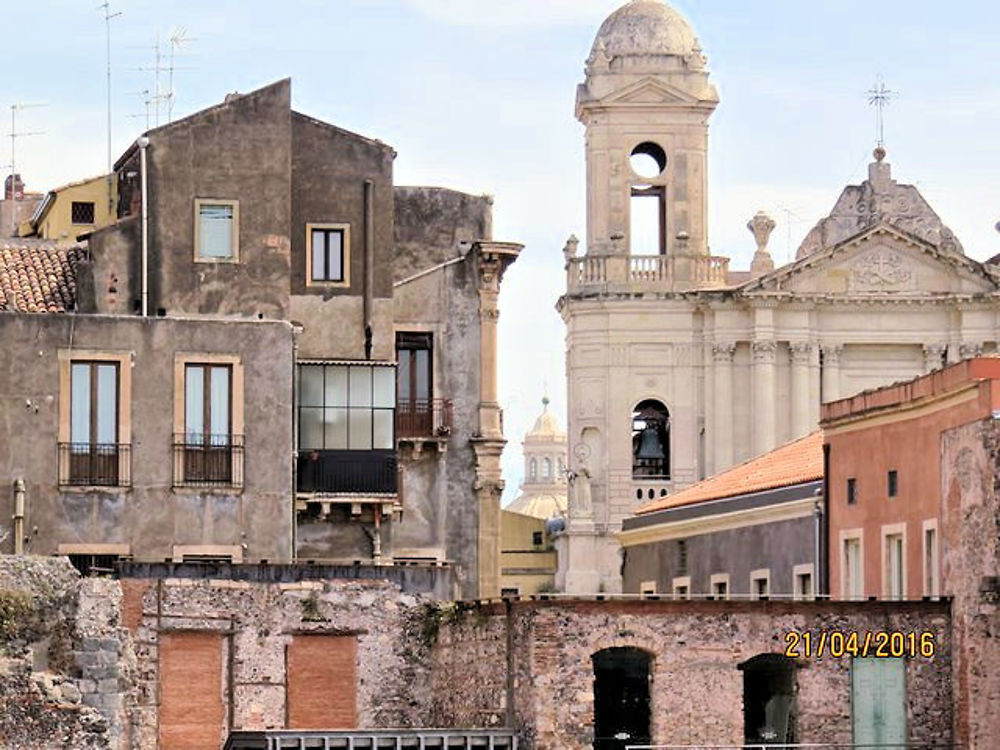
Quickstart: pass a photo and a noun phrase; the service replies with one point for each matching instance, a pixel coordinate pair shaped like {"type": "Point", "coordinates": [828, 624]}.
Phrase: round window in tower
{"type": "Point", "coordinates": [648, 160]}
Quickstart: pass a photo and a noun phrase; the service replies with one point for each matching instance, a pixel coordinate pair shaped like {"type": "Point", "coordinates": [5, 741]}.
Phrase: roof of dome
{"type": "Point", "coordinates": [645, 27]}
{"type": "Point", "coordinates": [543, 506]}
{"type": "Point", "coordinates": [546, 426]}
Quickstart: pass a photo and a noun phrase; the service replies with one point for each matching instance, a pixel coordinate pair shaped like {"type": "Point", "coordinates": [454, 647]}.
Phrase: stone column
{"type": "Point", "coordinates": [802, 408]}
{"type": "Point", "coordinates": [831, 371]}
{"type": "Point", "coordinates": [722, 407]}
{"type": "Point", "coordinates": [933, 356]}
{"type": "Point", "coordinates": [764, 411]}
{"type": "Point", "coordinates": [493, 258]}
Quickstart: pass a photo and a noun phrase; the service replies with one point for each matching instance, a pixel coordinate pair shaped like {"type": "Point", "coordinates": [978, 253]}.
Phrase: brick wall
{"type": "Point", "coordinates": [322, 682]}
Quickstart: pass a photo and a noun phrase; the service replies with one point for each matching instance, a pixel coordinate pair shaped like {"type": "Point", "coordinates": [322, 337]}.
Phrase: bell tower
{"type": "Point", "coordinates": [645, 104]}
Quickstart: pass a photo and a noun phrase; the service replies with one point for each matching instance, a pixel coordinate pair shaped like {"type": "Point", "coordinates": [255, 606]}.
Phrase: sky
{"type": "Point", "coordinates": [478, 96]}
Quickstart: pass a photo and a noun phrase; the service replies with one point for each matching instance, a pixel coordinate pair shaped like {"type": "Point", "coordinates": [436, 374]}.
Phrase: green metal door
{"type": "Point", "coordinates": [878, 701]}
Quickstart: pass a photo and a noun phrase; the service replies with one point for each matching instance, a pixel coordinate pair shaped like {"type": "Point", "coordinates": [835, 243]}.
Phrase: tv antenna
{"type": "Point", "coordinates": [790, 214]}
{"type": "Point", "coordinates": [108, 15]}
{"type": "Point", "coordinates": [159, 94]}
{"type": "Point", "coordinates": [177, 38]}
{"type": "Point", "coordinates": [880, 97]}
{"type": "Point", "coordinates": [14, 135]}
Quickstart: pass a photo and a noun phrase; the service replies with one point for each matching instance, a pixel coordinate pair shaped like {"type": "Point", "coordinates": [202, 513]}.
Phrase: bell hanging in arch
{"type": "Point", "coordinates": [650, 446]}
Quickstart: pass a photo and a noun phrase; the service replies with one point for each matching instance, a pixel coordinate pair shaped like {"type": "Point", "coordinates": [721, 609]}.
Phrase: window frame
{"type": "Point", "coordinates": [892, 483]}
{"type": "Point", "coordinates": [890, 534]}
{"type": "Point", "coordinates": [852, 491]}
{"type": "Point", "coordinates": [680, 587]}
{"type": "Point", "coordinates": [760, 574]}
{"type": "Point", "coordinates": [931, 565]}
{"type": "Point", "coordinates": [93, 213]}
{"type": "Point", "coordinates": [347, 407]}
{"type": "Point", "coordinates": [717, 579]}
{"type": "Point", "coordinates": [846, 592]}
{"type": "Point", "coordinates": [345, 253]}
{"type": "Point", "coordinates": [798, 573]}
{"type": "Point", "coordinates": [234, 256]}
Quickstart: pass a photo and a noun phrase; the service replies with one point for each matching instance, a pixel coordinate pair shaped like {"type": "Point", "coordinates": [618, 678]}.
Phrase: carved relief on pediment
{"type": "Point", "coordinates": [881, 270]}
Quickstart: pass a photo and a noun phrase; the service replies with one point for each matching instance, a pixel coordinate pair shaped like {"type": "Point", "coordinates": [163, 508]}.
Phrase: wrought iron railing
{"type": "Point", "coordinates": [95, 465]}
{"type": "Point", "coordinates": [348, 472]}
{"type": "Point", "coordinates": [208, 460]}
{"type": "Point", "coordinates": [373, 739]}
{"type": "Point", "coordinates": [423, 418]}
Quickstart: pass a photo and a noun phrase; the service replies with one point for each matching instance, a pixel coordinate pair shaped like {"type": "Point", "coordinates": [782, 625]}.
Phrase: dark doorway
{"type": "Point", "coordinates": [769, 699]}
{"type": "Point", "coordinates": [621, 698]}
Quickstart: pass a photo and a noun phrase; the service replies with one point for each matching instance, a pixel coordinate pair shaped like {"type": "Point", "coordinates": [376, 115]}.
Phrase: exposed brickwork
{"type": "Point", "coordinates": [133, 590]}
{"type": "Point", "coordinates": [322, 682]}
{"type": "Point", "coordinates": [191, 710]}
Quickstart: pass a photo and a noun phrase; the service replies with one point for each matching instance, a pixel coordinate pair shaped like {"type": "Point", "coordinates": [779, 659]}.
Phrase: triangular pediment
{"type": "Point", "coordinates": [882, 261]}
{"type": "Point", "coordinates": [649, 91]}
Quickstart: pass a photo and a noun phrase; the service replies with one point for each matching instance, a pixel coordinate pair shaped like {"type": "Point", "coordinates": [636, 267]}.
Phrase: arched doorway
{"type": "Point", "coordinates": [621, 698]}
{"type": "Point", "coordinates": [769, 699]}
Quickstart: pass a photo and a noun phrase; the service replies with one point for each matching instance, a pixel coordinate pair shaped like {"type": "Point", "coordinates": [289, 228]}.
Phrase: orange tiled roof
{"type": "Point", "coordinates": [37, 277]}
{"type": "Point", "coordinates": [793, 463]}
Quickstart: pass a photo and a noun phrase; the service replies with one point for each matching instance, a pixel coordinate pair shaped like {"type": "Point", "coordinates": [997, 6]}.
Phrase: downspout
{"type": "Point", "coordinates": [293, 553]}
{"type": "Point", "coordinates": [18, 516]}
{"type": "Point", "coordinates": [369, 269]}
{"type": "Point", "coordinates": [818, 499]}
{"type": "Point", "coordinates": [143, 144]}
{"type": "Point", "coordinates": [825, 536]}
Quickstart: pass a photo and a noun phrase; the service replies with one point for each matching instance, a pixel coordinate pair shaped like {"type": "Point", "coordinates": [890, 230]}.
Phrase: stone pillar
{"type": "Point", "coordinates": [764, 411]}
{"type": "Point", "coordinates": [802, 422]}
{"type": "Point", "coordinates": [831, 372]}
{"type": "Point", "coordinates": [934, 356]}
{"type": "Point", "coordinates": [493, 258]}
{"type": "Point", "coordinates": [722, 407]}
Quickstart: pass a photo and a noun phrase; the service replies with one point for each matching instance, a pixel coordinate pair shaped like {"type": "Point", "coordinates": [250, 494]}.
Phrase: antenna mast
{"type": "Point", "coordinates": [14, 135]}
{"type": "Point", "coordinates": [108, 15]}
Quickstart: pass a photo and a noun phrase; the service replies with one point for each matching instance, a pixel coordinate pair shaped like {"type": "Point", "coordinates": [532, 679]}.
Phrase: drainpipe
{"type": "Point", "coordinates": [369, 278]}
{"type": "Point", "coordinates": [817, 532]}
{"type": "Point", "coordinates": [826, 526]}
{"type": "Point", "coordinates": [18, 516]}
{"type": "Point", "coordinates": [377, 536]}
{"type": "Point", "coordinates": [143, 144]}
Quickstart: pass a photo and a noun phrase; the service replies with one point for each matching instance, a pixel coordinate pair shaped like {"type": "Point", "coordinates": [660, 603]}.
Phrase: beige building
{"type": "Point", "coordinates": [73, 210]}
{"type": "Point", "coordinates": [679, 367]}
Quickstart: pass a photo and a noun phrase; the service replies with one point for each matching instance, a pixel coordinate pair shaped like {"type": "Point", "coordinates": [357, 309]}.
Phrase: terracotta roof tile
{"type": "Point", "coordinates": [38, 277]}
{"type": "Point", "coordinates": [793, 463]}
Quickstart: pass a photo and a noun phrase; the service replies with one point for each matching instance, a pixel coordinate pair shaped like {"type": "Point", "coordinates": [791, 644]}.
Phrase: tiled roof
{"type": "Point", "coordinates": [37, 276]}
{"type": "Point", "coordinates": [793, 463]}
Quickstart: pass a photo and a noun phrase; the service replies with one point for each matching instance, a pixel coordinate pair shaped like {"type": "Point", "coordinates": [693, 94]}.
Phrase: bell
{"type": "Point", "coordinates": [649, 445]}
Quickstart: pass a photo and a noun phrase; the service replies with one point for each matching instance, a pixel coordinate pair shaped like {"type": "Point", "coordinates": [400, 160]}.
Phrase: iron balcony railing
{"type": "Point", "coordinates": [804, 746]}
{"type": "Point", "coordinates": [95, 465]}
{"type": "Point", "coordinates": [423, 418]}
{"type": "Point", "coordinates": [370, 472]}
{"type": "Point", "coordinates": [208, 460]}
{"type": "Point", "coordinates": [374, 739]}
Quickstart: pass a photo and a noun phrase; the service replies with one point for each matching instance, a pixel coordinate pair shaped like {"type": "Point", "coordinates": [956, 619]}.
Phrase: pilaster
{"type": "Point", "coordinates": [801, 353]}
{"type": "Point", "coordinates": [831, 371]}
{"type": "Point", "coordinates": [764, 411]}
{"type": "Point", "coordinates": [722, 406]}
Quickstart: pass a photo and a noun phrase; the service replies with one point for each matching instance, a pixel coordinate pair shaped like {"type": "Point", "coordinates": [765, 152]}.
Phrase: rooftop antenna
{"type": "Point", "coordinates": [790, 214]}
{"type": "Point", "coordinates": [14, 135]}
{"type": "Point", "coordinates": [178, 38]}
{"type": "Point", "coordinates": [108, 15]}
{"type": "Point", "coordinates": [147, 102]}
{"type": "Point", "coordinates": [880, 97]}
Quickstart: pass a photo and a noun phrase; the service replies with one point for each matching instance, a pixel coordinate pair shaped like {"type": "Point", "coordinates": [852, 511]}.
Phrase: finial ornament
{"type": "Point", "coordinates": [761, 225]}
{"type": "Point", "coordinates": [880, 97]}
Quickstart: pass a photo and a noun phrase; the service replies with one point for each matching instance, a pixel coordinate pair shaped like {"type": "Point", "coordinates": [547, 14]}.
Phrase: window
{"type": "Point", "coordinates": [682, 556]}
{"type": "Point", "coordinates": [217, 224]}
{"type": "Point", "coordinates": [760, 583]}
{"type": "Point", "coordinates": [533, 469]}
{"type": "Point", "coordinates": [931, 584]}
{"type": "Point", "coordinates": [418, 413]}
{"type": "Point", "coordinates": [894, 582]}
{"type": "Point", "coordinates": [648, 220]}
{"type": "Point", "coordinates": [93, 450]}
{"type": "Point", "coordinates": [852, 580]}
{"type": "Point", "coordinates": [82, 212]}
{"type": "Point", "coordinates": [538, 538]}
{"type": "Point", "coordinates": [802, 581]}
{"type": "Point", "coordinates": [208, 441]}
{"type": "Point", "coordinates": [893, 482]}
{"type": "Point", "coordinates": [546, 468]}
{"type": "Point", "coordinates": [346, 428]}
{"type": "Point", "coordinates": [650, 441]}
{"type": "Point", "coordinates": [719, 585]}
{"type": "Point", "coordinates": [681, 587]}
{"type": "Point", "coordinates": [647, 588]}
{"type": "Point", "coordinates": [852, 491]}
{"type": "Point", "coordinates": [328, 254]}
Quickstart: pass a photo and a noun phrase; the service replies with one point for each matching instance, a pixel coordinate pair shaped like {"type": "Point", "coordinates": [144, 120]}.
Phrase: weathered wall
{"type": "Point", "coordinates": [696, 688]}
{"type": "Point", "coordinates": [152, 515]}
{"type": "Point", "coordinates": [970, 571]}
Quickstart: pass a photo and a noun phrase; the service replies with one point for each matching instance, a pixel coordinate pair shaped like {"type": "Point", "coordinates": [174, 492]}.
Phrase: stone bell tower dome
{"type": "Point", "coordinates": [647, 99]}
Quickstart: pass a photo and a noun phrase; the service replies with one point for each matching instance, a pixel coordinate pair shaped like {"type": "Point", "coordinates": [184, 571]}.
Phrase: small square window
{"type": "Point", "coordinates": [852, 491]}
{"type": "Point", "coordinates": [328, 254]}
{"type": "Point", "coordinates": [893, 483]}
{"type": "Point", "coordinates": [217, 230]}
{"type": "Point", "coordinates": [82, 212]}
{"type": "Point", "coordinates": [537, 538]}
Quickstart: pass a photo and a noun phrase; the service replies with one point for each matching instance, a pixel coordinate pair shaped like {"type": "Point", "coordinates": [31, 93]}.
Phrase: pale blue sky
{"type": "Point", "coordinates": [478, 96]}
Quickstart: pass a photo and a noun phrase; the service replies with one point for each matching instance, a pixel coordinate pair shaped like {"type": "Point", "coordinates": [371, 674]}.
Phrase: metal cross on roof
{"type": "Point", "coordinates": [879, 97]}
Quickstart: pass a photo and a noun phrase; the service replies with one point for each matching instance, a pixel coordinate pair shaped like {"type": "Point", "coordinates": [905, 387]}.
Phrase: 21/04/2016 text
{"type": "Point", "coordinates": [881, 644]}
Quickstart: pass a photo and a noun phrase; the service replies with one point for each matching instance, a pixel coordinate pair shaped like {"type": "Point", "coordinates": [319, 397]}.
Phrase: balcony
{"type": "Point", "coordinates": [641, 273]}
{"type": "Point", "coordinates": [213, 462]}
{"type": "Point", "coordinates": [347, 472]}
{"type": "Point", "coordinates": [423, 419]}
{"type": "Point", "coordinates": [95, 465]}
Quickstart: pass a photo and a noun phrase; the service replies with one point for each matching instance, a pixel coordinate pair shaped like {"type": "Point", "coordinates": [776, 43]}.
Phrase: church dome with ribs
{"type": "Point", "coordinates": [645, 27]}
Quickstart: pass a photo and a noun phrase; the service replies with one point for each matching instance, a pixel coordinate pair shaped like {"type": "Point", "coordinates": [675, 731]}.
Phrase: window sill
{"type": "Point", "coordinates": [215, 489]}
{"type": "Point", "coordinates": [85, 489]}
{"type": "Point", "coordinates": [226, 261]}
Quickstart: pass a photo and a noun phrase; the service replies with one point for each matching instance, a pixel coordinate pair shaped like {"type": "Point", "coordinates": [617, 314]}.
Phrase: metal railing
{"type": "Point", "coordinates": [374, 739]}
{"type": "Point", "coordinates": [348, 472]}
{"type": "Point", "coordinates": [423, 418]}
{"type": "Point", "coordinates": [95, 465]}
{"type": "Point", "coordinates": [208, 461]}
{"type": "Point", "coordinates": [804, 746]}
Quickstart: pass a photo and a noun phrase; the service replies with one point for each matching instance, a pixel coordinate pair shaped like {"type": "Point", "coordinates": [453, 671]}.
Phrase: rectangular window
{"type": "Point", "coordinates": [93, 429]}
{"type": "Point", "coordinates": [647, 588]}
{"type": "Point", "coordinates": [648, 221]}
{"type": "Point", "coordinates": [852, 491]}
{"type": "Point", "coordinates": [82, 212]}
{"type": "Point", "coordinates": [852, 573]}
{"type": "Point", "coordinates": [760, 583]}
{"type": "Point", "coordinates": [208, 441]}
{"type": "Point", "coordinates": [893, 482]}
{"type": "Point", "coordinates": [802, 581]}
{"type": "Point", "coordinates": [720, 585]}
{"type": "Point", "coordinates": [894, 562]}
{"type": "Point", "coordinates": [682, 557]}
{"type": "Point", "coordinates": [681, 587]}
{"type": "Point", "coordinates": [931, 585]}
{"type": "Point", "coordinates": [328, 254]}
{"type": "Point", "coordinates": [216, 230]}
{"type": "Point", "coordinates": [418, 415]}
{"type": "Point", "coordinates": [346, 407]}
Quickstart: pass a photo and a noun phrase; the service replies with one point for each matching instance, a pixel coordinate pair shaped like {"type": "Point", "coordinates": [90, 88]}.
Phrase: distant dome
{"type": "Point", "coordinates": [645, 27]}
{"type": "Point", "coordinates": [546, 426]}
{"type": "Point", "coordinates": [544, 506]}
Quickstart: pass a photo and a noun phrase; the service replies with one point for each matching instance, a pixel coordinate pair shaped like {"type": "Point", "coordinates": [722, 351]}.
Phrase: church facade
{"type": "Point", "coordinates": [679, 367]}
